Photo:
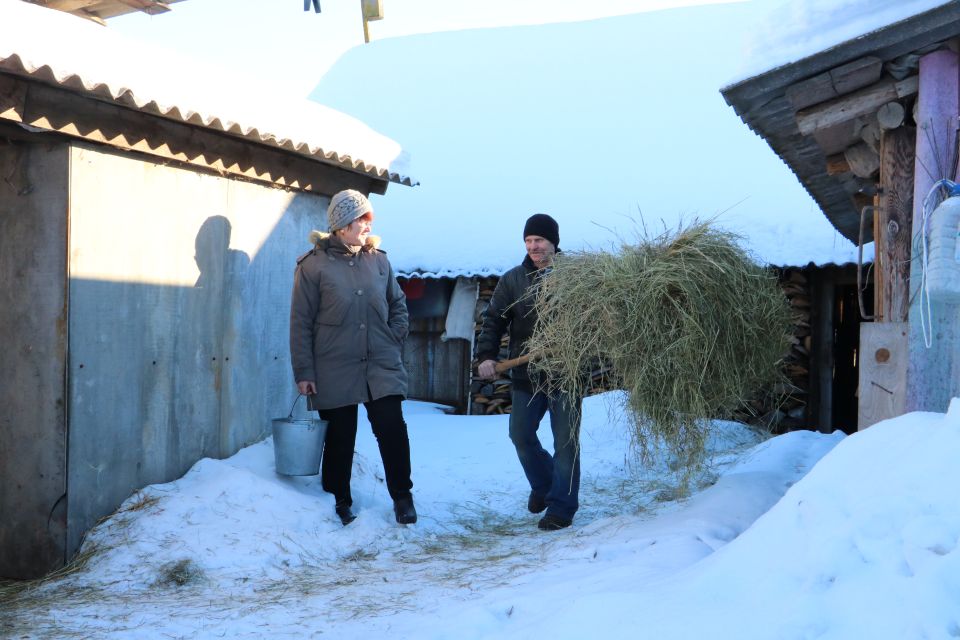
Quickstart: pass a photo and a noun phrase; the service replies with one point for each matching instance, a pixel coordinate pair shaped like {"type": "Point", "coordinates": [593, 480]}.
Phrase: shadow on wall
{"type": "Point", "coordinates": [161, 376]}
{"type": "Point", "coordinates": [217, 262]}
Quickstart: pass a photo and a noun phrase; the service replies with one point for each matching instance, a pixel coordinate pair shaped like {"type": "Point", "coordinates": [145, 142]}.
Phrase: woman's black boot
{"type": "Point", "coordinates": [345, 513]}
{"type": "Point", "coordinates": [404, 510]}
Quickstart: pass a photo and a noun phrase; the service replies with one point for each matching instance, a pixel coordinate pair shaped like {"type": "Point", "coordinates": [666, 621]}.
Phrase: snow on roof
{"type": "Point", "coordinates": [79, 55]}
{"type": "Point", "coordinates": [607, 125]}
{"type": "Point", "coordinates": [790, 31]}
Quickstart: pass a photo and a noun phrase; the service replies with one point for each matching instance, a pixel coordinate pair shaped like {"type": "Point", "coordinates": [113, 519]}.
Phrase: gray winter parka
{"type": "Point", "coordinates": [348, 321]}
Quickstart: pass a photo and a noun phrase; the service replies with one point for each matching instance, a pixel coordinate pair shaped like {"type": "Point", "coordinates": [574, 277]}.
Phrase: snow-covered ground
{"type": "Point", "coordinates": [804, 535]}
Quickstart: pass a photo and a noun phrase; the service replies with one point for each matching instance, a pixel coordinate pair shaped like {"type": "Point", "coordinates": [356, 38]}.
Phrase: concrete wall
{"type": "Point", "coordinates": [33, 214]}
{"type": "Point", "coordinates": [179, 300]}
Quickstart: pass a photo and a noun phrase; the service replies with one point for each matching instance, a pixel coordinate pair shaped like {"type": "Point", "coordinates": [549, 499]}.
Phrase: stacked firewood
{"type": "Point", "coordinates": [783, 407]}
{"type": "Point", "coordinates": [488, 396]}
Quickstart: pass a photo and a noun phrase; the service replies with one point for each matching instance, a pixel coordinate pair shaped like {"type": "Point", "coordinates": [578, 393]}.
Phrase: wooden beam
{"type": "Point", "coordinates": [895, 219]}
{"type": "Point", "coordinates": [870, 133]}
{"type": "Point", "coordinates": [834, 83]}
{"type": "Point", "coordinates": [863, 161]}
{"type": "Point", "coordinates": [836, 139]}
{"type": "Point", "coordinates": [811, 91]}
{"type": "Point", "coordinates": [890, 115]}
{"type": "Point", "coordinates": [860, 103]}
{"type": "Point", "coordinates": [79, 116]}
{"type": "Point", "coordinates": [857, 74]}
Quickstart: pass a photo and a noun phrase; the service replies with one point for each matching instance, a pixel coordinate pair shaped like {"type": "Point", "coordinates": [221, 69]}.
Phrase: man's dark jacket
{"type": "Point", "coordinates": [511, 308]}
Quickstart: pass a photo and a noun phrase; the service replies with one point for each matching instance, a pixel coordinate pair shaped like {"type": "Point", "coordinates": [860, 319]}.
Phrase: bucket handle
{"type": "Point", "coordinates": [297, 399]}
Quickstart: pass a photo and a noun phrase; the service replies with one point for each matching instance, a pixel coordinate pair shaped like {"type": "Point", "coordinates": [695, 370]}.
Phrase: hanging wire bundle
{"type": "Point", "coordinates": [690, 325]}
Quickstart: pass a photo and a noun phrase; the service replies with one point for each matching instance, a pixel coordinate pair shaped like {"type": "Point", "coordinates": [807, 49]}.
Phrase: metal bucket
{"type": "Point", "coordinates": [298, 444]}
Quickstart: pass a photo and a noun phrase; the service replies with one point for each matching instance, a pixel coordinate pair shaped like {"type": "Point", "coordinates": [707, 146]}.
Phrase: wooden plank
{"type": "Point", "coordinates": [33, 341]}
{"type": "Point", "coordinates": [438, 371]}
{"type": "Point", "coordinates": [859, 103]}
{"type": "Point", "coordinates": [834, 83]}
{"type": "Point", "coordinates": [811, 91]}
{"type": "Point", "coordinates": [883, 372]}
{"type": "Point", "coordinates": [75, 115]}
{"type": "Point", "coordinates": [893, 224]}
{"type": "Point", "coordinates": [856, 75]}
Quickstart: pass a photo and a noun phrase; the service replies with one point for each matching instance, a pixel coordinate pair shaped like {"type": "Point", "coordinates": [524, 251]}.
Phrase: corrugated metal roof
{"type": "Point", "coordinates": [78, 55]}
{"type": "Point", "coordinates": [450, 273]}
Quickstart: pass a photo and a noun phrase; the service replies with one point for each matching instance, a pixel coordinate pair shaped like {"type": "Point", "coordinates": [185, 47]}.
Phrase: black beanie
{"type": "Point", "coordinates": [540, 224]}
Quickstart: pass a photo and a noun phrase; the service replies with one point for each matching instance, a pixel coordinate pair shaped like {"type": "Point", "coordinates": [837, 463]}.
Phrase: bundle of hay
{"type": "Point", "coordinates": [691, 326]}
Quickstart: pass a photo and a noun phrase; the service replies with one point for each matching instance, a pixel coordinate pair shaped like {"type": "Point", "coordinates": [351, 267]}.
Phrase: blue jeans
{"type": "Point", "coordinates": [555, 477]}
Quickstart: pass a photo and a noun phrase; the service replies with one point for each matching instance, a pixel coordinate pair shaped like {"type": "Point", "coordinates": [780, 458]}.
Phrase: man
{"type": "Point", "coordinates": [554, 480]}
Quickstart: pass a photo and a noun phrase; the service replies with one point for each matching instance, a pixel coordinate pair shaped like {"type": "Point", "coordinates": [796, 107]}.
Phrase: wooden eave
{"type": "Point", "coordinates": [40, 106]}
{"type": "Point", "coordinates": [764, 104]}
{"type": "Point", "coordinates": [102, 10]}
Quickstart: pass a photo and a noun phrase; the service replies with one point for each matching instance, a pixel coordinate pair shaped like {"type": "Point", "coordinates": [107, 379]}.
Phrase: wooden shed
{"type": "Point", "coordinates": [147, 250]}
{"type": "Point", "coordinates": [869, 125]}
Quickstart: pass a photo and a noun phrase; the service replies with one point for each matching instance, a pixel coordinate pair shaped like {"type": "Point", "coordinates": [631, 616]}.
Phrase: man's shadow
{"type": "Point", "coordinates": [213, 324]}
{"type": "Point", "coordinates": [221, 268]}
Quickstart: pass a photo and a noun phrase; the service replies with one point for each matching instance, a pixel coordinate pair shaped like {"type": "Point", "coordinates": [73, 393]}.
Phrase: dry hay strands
{"type": "Point", "coordinates": [689, 323]}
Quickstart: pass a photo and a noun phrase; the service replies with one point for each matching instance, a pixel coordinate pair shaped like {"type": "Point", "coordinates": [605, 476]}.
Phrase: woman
{"type": "Point", "coordinates": [348, 321]}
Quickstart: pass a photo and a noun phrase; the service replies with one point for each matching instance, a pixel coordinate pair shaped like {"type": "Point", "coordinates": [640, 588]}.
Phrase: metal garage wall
{"type": "Point", "coordinates": [179, 302]}
{"type": "Point", "coordinates": [33, 214]}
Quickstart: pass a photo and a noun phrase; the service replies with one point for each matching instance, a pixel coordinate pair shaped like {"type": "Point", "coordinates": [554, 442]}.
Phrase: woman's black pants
{"type": "Point", "coordinates": [386, 418]}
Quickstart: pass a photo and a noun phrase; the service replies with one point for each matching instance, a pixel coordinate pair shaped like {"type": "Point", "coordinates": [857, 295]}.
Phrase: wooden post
{"type": "Point", "coordinates": [897, 151]}
{"type": "Point", "coordinates": [933, 374]}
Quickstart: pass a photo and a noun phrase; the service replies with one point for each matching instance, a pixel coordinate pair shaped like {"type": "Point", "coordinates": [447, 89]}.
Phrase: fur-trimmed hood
{"type": "Point", "coordinates": [322, 240]}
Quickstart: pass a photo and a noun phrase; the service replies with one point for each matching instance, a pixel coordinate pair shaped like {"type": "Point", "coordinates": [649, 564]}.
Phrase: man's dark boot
{"type": "Point", "coordinates": [553, 523]}
{"type": "Point", "coordinates": [344, 512]}
{"type": "Point", "coordinates": [536, 503]}
{"type": "Point", "coordinates": [404, 510]}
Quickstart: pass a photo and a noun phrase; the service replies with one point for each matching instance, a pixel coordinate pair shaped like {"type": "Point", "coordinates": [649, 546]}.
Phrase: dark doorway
{"type": "Point", "coordinates": [835, 319]}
